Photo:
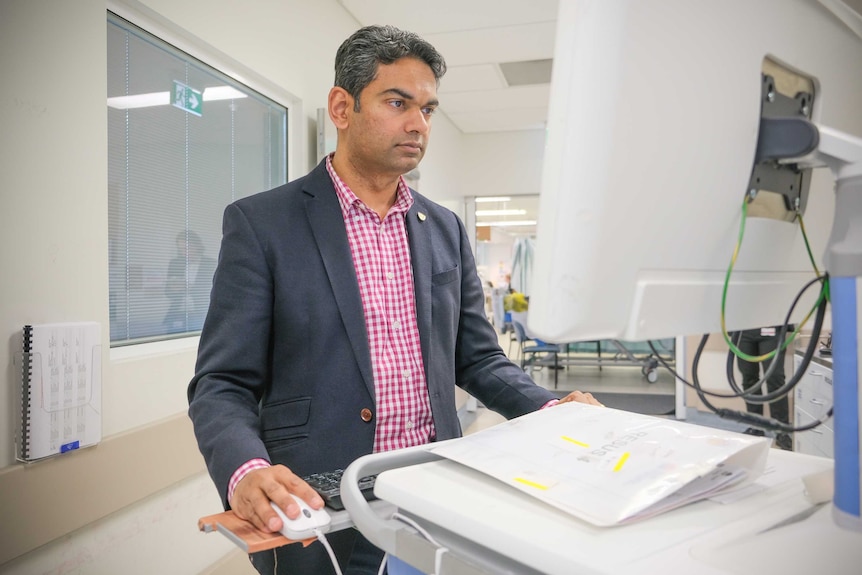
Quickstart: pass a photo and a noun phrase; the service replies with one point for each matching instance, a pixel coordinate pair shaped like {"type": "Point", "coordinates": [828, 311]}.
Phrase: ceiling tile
{"type": "Point", "coordinates": [504, 44]}
{"type": "Point", "coordinates": [516, 97]}
{"type": "Point", "coordinates": [490, 121]}
{"type": "Point", "coordinates": [527, 73]}
{"type": "Point", "coordinates": [451, 15]}
{"type": "Point", "coordinates": [475, 37]}
{"type": "Point", "coordinates": [472, 78]}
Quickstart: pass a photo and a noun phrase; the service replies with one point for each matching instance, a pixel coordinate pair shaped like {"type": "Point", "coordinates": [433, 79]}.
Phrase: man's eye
{"type": "Point", "coordinates": [396, 103]}
{"type": "Point", "coordinates": [428, 110]}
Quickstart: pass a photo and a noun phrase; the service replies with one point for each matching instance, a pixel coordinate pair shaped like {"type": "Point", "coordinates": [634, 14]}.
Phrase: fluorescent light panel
{"type": "Point", "coordinates": [492, 199]}
{"type": "Point", "coordinates": [506, 223]}
{"type": "Point", "coordinates": [140, 100]}
{"type": "Point", "coordinates": [164, 98]}
{"type": "Point", "coordinates": [481, 213]}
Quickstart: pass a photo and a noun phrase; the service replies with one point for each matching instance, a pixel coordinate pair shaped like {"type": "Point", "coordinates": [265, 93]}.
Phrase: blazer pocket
{"type": "Point", "coordinates": [280, 420]}
{"type": "Point", "coordinates": [277, 447]}
{"type": "Point", "coordinates": [445, 277]}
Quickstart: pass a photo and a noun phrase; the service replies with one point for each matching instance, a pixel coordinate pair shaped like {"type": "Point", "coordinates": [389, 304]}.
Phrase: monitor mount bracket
{"type": "Point", "coordinates": [785, 132]}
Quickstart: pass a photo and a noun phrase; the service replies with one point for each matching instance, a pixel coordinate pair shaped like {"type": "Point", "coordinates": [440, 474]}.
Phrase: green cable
{"type": "Point", "coordinates": [824, 292]}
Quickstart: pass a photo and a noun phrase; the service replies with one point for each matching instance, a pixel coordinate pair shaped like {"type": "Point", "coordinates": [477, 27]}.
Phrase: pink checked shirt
{"type": "Point", "coordinates": [381, 256]}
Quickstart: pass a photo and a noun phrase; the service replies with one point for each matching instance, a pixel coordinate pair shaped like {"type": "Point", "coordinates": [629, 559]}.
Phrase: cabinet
{"type": "Point", "coordinates": [812, 398]}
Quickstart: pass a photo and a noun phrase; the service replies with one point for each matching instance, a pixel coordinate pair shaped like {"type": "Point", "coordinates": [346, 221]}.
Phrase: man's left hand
{"type": "Point", "coordinates": [581, 397]}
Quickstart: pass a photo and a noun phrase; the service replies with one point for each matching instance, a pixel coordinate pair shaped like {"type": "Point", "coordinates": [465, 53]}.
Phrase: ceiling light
{"type": "Point", "coordinates": [164, 98]}
{"type": "Point", "coordinates": [492, 199]}
{"type": "Point", "coordinates": [506, 223]}
{"type": "Point", "coordinates": [222, 93]}
{"type": "Point", "coordinates": [140, 100]}
{"type": "Point", "coordinates": [481, 213]}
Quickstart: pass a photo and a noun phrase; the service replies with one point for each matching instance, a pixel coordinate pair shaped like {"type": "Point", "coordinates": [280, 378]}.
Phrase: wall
{"type": "Point", "coordinates": [503, 163]}
{"type": "Point", "coordinates": [131, 504]}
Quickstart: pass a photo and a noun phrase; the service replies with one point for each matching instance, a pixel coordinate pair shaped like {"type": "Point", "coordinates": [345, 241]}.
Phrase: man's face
{"type": "Point", "coordinates": [389, 135]}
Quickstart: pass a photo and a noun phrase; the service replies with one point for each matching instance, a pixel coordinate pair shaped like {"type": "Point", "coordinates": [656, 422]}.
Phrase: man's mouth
{"type": "Point", "coordinates": [416, 146]}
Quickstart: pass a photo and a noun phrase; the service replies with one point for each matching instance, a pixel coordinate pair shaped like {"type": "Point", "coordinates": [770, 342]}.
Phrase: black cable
{"type": "Point", "coordinates": [754, 419]}
{"type": "Point", "coordinates": [739, 392]}
{"type": "Point", "coordinates": [769, 397]}
{"type": "Point", "coordinates": [760, 420]}
{"type": "Point", "coordinates": [696, 361]}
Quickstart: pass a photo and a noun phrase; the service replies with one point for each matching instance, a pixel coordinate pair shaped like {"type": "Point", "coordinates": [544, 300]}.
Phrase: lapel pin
{"type": "Point", "coordinates": [421, 216]}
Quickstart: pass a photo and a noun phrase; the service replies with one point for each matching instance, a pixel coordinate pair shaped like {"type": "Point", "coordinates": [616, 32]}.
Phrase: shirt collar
{"type": "Point", "coordinates": [347, 199]}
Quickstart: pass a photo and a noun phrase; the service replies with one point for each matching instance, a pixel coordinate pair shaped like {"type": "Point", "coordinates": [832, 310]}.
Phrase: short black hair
{"type": "Point", "coordinates": [358, 57]}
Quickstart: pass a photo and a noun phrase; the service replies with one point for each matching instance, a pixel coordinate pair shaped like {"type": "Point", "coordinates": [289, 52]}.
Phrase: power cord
{"type": "Point", "coordinates": [751, 418]}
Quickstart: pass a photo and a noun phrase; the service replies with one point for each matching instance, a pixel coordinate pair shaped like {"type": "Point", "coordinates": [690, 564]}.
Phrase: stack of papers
{"type": "Point", "coordinates": [608, 466]}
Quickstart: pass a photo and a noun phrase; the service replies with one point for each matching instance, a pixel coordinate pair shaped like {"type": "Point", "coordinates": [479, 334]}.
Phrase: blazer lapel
{"type": "Point", "coordinates": [330, 236]}
{"type": "Point", "coordinates": [419, 238]}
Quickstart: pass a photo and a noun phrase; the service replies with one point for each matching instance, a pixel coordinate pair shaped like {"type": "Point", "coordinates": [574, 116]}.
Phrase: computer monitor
{"type": "Point", "coordinates": [654, 125]}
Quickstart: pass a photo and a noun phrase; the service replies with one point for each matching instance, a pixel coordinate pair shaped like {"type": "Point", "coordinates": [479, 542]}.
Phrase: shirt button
{"type": "Point", "coordinates": [396, 324]}
{"type": "Point", "coordinates": [366, 415]}
{"type": "Point", "coordinates": [390, 275]}
{"type": "Point", "coordinates": [409, 424]}
{"type": "Point", "coordinates": [405, 373]}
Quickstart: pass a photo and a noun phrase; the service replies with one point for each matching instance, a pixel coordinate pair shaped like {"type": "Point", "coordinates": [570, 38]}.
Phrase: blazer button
{"type": "Point", "coordinates": [366, 415]}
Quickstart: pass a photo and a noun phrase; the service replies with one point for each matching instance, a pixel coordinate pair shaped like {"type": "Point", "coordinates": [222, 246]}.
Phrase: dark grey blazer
{"type": "Point", "coordinates": [284, 368]}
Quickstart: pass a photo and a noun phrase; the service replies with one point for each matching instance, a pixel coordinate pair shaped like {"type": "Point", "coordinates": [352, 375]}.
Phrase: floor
{"type": "Point", "coordinates": [623, 378]}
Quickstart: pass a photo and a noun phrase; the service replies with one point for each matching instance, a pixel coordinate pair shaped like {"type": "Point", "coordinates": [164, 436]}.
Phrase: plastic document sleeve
{"type": "Point", "coordinates": [607, 466]}
{"type": "Point", "coordinates": [60, 399]}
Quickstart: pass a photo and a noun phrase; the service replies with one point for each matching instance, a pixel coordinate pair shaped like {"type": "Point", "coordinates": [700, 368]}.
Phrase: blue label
{"type": "Point", "coordinates": [70, 446]}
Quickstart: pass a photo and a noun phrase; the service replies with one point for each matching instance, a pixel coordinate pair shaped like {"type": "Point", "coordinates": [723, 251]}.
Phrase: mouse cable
{"type": "Point", "coordinates": [441, 550]}
{"type": "Point", "coordinates": [322, 538]}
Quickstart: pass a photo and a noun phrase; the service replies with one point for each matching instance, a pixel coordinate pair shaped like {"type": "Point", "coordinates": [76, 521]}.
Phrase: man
{"type": "Point", "coordinates": [188, 282]}
{"type": "Point", "coordinates": [755, 343]}
{"type": "Point", "coordinates": [345, 309]}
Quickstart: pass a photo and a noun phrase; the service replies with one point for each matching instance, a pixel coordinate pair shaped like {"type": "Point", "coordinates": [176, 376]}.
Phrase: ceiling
{"type": "Point", "coordinates": [481, 41]}
{"type": "Point", "coordinates": [498, 54]}
{"type": "Point", "coordinates": [478, 38]}
{"type": "Point", "coordinates": [481, 92]}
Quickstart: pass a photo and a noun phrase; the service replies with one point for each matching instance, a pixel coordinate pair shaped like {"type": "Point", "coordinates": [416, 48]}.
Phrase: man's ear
{"type": "Point", "coordinates": [340, 107]}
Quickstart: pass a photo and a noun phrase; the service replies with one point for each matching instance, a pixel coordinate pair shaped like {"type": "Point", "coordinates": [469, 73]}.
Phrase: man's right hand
{"type": "Point", "coordinates": [253, 493]}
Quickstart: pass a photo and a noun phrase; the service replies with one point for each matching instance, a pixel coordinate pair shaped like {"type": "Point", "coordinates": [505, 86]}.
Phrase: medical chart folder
{"type": "Point", "coordinates": [608, 466]}
{"type": "Point", "coordinates": [60, 389]}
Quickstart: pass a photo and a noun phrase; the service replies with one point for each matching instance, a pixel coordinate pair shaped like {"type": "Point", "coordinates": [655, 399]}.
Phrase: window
{"type": "Point", "coordinates": [184, 140]}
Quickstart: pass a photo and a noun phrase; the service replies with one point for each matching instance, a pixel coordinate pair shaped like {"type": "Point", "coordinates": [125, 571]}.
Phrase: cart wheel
{"type": "Point", "coordinates": [644, 369]}
{"type": "Point", "coordinates": [652, 376]}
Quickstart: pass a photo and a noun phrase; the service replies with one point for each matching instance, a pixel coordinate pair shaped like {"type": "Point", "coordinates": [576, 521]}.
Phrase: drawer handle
{"type": "Point", "coordinates": [817, 401]}
{"type": "Point", "coordinates": [815, 430]}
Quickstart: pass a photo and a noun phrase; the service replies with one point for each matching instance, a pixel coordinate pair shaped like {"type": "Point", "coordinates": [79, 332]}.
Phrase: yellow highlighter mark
{"type": "Point", "coordinates": [575, 441]}
{"type": "Point", "coordinates": [622, 461]}
{"type": "Point", "coordinates": [531, 483]}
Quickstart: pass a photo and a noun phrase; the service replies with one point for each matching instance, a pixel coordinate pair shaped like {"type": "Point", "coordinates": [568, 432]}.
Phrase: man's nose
{"type": "Point", "coordinates": [419, 122]}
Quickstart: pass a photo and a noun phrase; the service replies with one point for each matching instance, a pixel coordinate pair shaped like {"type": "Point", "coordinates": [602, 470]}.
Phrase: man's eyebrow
{"type": "Point", "coordinates": [409, 96]}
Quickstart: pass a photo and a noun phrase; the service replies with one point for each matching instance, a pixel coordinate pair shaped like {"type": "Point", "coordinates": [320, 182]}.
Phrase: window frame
{"type": "Point", "coordinates": [168, 32]}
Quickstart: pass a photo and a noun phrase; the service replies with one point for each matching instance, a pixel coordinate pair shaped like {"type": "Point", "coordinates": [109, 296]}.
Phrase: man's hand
{"type": "Point", "coordinates": [253, 493]}
{"type": "Point", "coordinates": [581, 397]}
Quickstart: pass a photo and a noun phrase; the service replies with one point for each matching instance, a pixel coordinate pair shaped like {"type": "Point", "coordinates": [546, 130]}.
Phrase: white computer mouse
{"type": "Point", "coordinates": [303, 526]}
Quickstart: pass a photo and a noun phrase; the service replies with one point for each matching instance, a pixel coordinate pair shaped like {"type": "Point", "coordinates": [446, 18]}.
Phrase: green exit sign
{"type": "Point", "coordinates": [188, 99]}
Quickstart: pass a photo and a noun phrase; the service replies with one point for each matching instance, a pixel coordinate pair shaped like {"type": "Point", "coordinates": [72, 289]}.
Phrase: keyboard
{"type": "Point", "coordinates": [328, 485]}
